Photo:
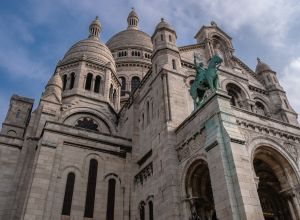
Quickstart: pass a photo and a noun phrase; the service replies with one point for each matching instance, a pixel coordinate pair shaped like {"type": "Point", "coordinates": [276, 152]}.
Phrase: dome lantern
{"type": "Point", "coordinates": [132, 20]}
{"type": "Point", "coordinates": [262, 67]}
{"type": "Point", "coordinates": [95, 28]}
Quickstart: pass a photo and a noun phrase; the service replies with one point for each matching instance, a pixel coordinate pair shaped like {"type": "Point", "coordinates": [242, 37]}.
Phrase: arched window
{"type": "Point", "coordinates": [88, 82]}
{"type": "Point", "coordinates": [66, 210]}
{"type": "Point", "coordinates": [260, 108]}
{"type": "Point", "coordinates": [91, 189]}
{"type": "Point", "coordinates": [142, 210]}
{"type": "Point", "coordinates": [174, 64]}
{"type": "Point", "coordinates": [123, 85]}
{"type": "Point", "coordinates": [114, 97]}
{"type": "Point", "coordinates": [237, 95]}
{"type": "Point", "coordinates": [97, 84]}
{"type": "Point", "coordinates": [150, 205]}
{"type": "Point", "coordinates": [170, 38]}
{"type": "Point", "coordinates": [72, 80]}
{"type": "Point", "coordinates": [111, 90]}
{"type": "Point", "coordinates": [161, 37]}
{"type": "Point", "coordinates": [110, 210]}
{"type": "Point", "coordinates": [135, 81]}
{"type": "Point", "coordinates": [65, 79]}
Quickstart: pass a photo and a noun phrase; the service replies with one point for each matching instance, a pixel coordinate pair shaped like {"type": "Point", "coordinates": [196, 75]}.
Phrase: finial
{"type": "Point", "coordinates": [162, 19]}
{"type": "Point", "coordinates": [258, 60]}
{"type": "Point", "coordinates": [95, 28]}
{"type": "Point", "coordinates": [213, 23]}
{"type": "Point", "coordinates": [132, 8]}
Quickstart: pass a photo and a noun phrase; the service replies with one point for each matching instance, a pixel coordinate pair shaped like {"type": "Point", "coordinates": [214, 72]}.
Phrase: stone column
{"type": "Point", "coordinates": [166, 97]}
{"type": "Point", "coordinates": [38, 195]}
{"type": "Point", "coordinates": [233, 185]}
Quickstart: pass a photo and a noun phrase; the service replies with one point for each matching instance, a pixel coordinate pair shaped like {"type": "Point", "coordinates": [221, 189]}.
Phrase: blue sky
{"type": "Point", "coordinates": [35, 34]}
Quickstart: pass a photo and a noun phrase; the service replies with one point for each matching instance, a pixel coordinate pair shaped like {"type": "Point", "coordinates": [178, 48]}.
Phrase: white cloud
{"type": "Point", "coordinates": [290, 80]}
{"type": "Point", "coordinates": [16, 58]}
{"type": "Point", "coordinates": [270, 20]}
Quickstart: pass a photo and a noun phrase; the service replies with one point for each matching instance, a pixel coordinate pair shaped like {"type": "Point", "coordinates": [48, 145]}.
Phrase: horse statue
{"type": "Point", "coordinates": [205, 79]}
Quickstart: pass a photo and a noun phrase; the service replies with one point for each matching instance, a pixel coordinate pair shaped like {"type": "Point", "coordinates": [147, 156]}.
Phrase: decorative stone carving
{"type": "Point", "coordinates": [292, 150]}
{"type": "Point", "coordinates": [87, 123]}
{"type": "Point", "coordinates": [191, 145]}
{"type": "Point", "coordinates": [144, 174]}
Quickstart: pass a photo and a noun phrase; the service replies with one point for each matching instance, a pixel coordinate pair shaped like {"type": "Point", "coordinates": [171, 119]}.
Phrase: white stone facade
{"type": "Point", "coordinates": [98, 147]}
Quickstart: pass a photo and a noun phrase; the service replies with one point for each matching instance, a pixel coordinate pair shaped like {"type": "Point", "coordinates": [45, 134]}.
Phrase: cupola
{"type": "Point", "coordinates": [132, 20]}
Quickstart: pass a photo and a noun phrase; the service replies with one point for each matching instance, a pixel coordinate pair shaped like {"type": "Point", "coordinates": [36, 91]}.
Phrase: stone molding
{"type": "Point", "coordinates": [268, 130]}
{"type": "Point", "coordinates": [144, 174]}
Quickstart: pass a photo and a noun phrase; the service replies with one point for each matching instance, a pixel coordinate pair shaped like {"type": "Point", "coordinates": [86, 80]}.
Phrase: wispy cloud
{"type": "Point", "coordinates": [15, 54]}
{"type": "Point", "coordinates": [290, 80]}
{"type": "Point", "coordinates": [40, 32]}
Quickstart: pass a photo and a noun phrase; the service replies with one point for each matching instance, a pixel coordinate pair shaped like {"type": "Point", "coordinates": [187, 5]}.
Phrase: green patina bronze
{"type": "Point", "coordinates": [205, 79]}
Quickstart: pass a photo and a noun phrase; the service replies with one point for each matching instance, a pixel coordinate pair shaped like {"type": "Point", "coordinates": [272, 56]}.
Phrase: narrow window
{"type": "Point", "coordinates": [150, 205]}
{"type": "Point", "coordinates": [142, 211]}
{"type": "Point", "coordinates": [111, 90]}
{"type": "Point", "coordinates": [88, 82]}
{"type": "Point", "coordinates": [148, 113]}
{"type": "Point", "coordinates": [91, 189]}
{"type": "Point", "coordinates": [110, 210]}
{"type": "Point", "coordinates": [72, 80]}
{"type": "Point", "coordinates": [123, 85]}
{"type": "Point", "coordinates": [132, 53]}
{"type": "Point", "coordinates": [135, 81]}
{"type": "Point", "coordinates": [152, 109]}
{"type": "Point", "coordinates": [114, 96]}
{"type": "Point", "coordinates": [18, 113]}
{"type": "Point", "coordinates": [161, 37]}
{"type": "Point", "coordinates": [268, 77]}
{"type": "Point", "coordinates": [170, 38]}
{"type": "Point", "coordinates": [97, 84]}
{"type": "Point", "coordinates": [275, 80]}
{"type": "Point", "coordinates": [174, 64]}
{"type": "Point", "coordinates": [66, 210]}
{"type": "Point", "coordinates": [64, 82]}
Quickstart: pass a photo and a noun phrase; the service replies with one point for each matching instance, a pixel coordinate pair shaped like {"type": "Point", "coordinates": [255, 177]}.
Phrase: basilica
{"type": "Point", "coordinates": [116, 135]}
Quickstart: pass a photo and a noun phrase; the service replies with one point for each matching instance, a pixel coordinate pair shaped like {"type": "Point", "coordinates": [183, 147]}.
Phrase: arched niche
{"type": "Point", "coordinates": [199, 191]}
{"type": "Point", "coordinates": [237, 94]}
{"type": "Point", "coordinates": [276, 179]}
{"type": "Point", "coordinates": [222, 48]}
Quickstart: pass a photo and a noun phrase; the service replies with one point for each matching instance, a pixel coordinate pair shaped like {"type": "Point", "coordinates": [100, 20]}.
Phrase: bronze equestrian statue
{"type": "Point", "coordinates": [205, 79]}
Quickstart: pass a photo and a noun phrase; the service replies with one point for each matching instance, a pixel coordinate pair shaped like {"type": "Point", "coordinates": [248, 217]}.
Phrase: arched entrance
{"type": "Point", "coordinates": [276, 180]}
{"type": "Point", "coordinates": [199, 192]}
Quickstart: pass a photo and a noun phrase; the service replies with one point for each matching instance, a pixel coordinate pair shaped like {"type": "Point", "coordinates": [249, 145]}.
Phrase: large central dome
{"type": "Point", "coordinates": [90, 49]}
{"type": "Point", "coordinates": [130, 38]}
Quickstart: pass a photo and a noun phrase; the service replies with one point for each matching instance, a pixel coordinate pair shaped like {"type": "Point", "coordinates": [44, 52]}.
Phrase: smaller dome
{"type": "Point", "coordinates": [55, 80]}
{"type": "Point", "coordinates": [163, 24]}
{"type": "Point", "coordinates": [261, 67]}
{"type": "Point", "coordinates": [91, 49]}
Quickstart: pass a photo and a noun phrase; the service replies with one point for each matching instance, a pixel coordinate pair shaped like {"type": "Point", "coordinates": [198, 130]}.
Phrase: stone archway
{"type": "Point", "coordinates": [199, 192]}
{"type": "Point", "coordinates": [276, 180]}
